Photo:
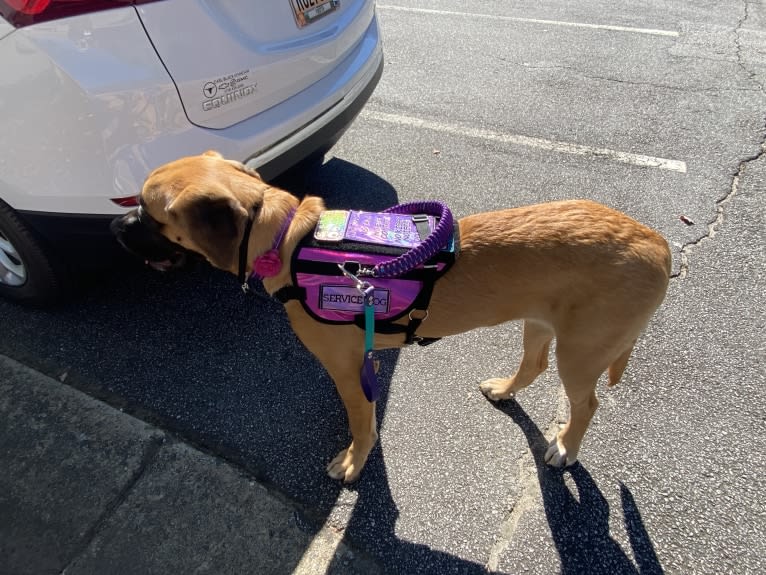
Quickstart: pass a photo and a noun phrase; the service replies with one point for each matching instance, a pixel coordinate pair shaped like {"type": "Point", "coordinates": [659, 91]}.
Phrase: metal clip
{"type": "Point", "coordinates": [361, 285]}
{"type": "Point", "coordinates": [347, 273]}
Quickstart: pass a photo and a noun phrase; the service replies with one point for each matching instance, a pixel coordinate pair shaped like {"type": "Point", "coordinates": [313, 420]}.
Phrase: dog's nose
{"type": "Point", "coordinates": [119, 223]}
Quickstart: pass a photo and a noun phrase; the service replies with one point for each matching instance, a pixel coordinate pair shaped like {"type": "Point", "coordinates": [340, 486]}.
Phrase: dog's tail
{"type": "Point", "coordinates": [617, 367]}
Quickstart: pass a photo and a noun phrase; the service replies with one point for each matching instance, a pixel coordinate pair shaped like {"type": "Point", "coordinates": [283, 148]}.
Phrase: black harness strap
{"type": "Point", "coordinates": [287, 293]}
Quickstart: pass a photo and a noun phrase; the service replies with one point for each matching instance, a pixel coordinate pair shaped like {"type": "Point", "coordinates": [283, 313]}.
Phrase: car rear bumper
{"type": "Point", "coordinates": [333, 124]}
{"type": "Point", "coordinates": [86, 239]}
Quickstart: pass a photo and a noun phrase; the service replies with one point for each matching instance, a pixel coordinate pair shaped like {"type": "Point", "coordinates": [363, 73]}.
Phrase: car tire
{"type": "Point", "coordinates": [29, 272]}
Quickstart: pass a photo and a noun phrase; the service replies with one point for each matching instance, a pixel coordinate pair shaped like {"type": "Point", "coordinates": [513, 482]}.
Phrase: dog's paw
{"type": "Point", "coordinates": [556, 455]}
{"type": "Point", "coordinates": [343, 467]}
{"type": "Point", "coordinates": [496, 389]}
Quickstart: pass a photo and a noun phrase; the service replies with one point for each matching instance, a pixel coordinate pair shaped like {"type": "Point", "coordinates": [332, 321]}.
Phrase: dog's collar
{"type": "Point", "coordinates": [243, 255]}
{"type": "Point", "coordinates": [266, 265]}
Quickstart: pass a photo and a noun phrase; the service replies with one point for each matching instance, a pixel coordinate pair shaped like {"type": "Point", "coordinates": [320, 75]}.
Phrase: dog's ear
{"type": "Point", "coordinates": [239, 165]}
{"type": "Point", "coordinates": [215, 221]}
{"type": "Point", "coordinates": [243, 168]}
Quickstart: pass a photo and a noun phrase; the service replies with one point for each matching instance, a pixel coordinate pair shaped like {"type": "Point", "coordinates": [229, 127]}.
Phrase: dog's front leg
{"type": "Point", "coordinates": [348, 464]}
{"type": "Point", "coordinates": [340, 349]}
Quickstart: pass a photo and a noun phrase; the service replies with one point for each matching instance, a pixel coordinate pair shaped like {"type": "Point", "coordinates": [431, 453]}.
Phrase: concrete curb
{"type": "Point", "coordinates": [87, 489]}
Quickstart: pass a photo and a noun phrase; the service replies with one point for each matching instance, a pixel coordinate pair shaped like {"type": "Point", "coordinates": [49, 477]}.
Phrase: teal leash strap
{"type": "Point", "coordinates": [369, 378]}
{"type": "Point", "coordinates": [369, 319]}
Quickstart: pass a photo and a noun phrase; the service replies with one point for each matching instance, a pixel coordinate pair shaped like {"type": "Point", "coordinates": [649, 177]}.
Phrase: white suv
{"type": "Point", "coordinates": [94, 94]}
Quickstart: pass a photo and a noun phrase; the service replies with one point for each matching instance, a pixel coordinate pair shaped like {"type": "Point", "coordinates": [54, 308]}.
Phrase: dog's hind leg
{"type": "Point", "coordinates": [534, 361]}
{"type": "Point", "coordinates": [579, 367]}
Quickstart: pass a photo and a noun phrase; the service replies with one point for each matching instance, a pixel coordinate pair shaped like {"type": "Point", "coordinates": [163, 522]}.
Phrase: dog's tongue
{"type": "Point", "coordinates": [162, 266]}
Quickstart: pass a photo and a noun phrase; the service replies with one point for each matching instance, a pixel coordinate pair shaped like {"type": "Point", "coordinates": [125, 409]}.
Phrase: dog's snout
{"type": "Point", "coordinates": [118, 224]}
{"type": "Point", "coordinates": [139, 234]}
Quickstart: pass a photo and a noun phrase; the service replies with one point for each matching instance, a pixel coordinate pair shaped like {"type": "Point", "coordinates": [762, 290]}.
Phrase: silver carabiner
{"type": "Point", "coordinates": [361, 285]}
{"type": "Point", "coordinates": [348, 274]}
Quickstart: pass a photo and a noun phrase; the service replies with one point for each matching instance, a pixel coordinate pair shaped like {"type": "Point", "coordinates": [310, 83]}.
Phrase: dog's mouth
{"type": "Point", "coordinates": [141, 237]}
{"type": "Point", "coordinates": [177, 260]}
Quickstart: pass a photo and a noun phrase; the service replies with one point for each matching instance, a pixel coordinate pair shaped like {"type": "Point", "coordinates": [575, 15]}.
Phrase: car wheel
{"type": "Point", "coordinates": [28, 274]}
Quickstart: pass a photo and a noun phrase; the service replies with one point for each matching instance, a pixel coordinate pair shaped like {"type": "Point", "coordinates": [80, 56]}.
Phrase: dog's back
{"type": "Point", "coordinates": [575, 265]}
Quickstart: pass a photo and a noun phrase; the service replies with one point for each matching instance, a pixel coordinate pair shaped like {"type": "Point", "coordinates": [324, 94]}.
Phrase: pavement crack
{"type": "Point", "coordinates": [638, 83]}
{"type": "Point", "coordinates": [531, 494]}
{"type": "Point", "coordinates": [741, 61]}
{"type": "Point", "coordinates": [153, 447]}
{"type": "Point", "coordinates": [685, 89]}
{"type": "Point", "coordinates": [720, 212]}
{"type": "Point", "coordinates": [720, 205]}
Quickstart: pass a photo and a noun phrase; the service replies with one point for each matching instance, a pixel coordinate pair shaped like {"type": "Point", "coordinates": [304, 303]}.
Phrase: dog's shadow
{"type": "Point", "coordinates": [579, 522]}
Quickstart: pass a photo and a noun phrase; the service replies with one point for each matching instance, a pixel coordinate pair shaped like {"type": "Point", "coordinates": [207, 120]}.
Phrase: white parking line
{"type": "Point", "coordinates": [650, 31]}
{"type": "Point", "coordinates": [540, 143]}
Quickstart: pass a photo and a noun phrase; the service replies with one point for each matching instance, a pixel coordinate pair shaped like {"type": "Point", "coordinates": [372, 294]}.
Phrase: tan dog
{"type": "Point", "coordinates": [575, 270]}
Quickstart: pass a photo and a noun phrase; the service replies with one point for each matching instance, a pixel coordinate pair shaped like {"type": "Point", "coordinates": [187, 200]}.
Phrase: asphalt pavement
{"type": "Point", "coordinates": [218, 421]}
{"type": "Point", "coordinates": [87, 489]}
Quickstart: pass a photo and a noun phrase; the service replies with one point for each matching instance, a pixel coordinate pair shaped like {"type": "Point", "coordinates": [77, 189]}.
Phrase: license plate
{"type": "Point", "coordinates": [307, 11]}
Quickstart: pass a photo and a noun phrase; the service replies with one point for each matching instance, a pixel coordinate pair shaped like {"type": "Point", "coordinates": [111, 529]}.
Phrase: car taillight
{"type": "Point", "coordinates": [25, 12]}
{"type": "Point", "coordinates": [29, 6]}
{"type": "Point", "coordinates": [129, 202]}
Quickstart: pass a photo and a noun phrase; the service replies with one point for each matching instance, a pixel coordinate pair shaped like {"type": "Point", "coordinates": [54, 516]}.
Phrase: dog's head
{"type": "Point", "coordinates": [197, 205]}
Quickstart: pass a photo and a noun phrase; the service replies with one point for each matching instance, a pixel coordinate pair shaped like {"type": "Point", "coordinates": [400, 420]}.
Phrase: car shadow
{"type": "Point", "coordinates": [344, 185]}
{"type": "Point", "coordinates": [579, 523]}
{"type": "Point", "coordinates": [191, 353]}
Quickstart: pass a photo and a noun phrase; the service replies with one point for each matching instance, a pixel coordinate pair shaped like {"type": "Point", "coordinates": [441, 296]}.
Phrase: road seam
{"type": "Point", "coordinates": [155, 443]}
{"type": "Point", "coordinates": [529, 479]}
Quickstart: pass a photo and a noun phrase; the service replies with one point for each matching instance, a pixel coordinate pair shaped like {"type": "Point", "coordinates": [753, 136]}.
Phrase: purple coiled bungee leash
{"type": "Point", "coordinates": [428, 248]}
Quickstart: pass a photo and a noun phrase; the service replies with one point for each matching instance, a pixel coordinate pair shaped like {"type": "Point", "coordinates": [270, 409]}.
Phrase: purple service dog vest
{"type": "Point", "coordinates": [357, 242]}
